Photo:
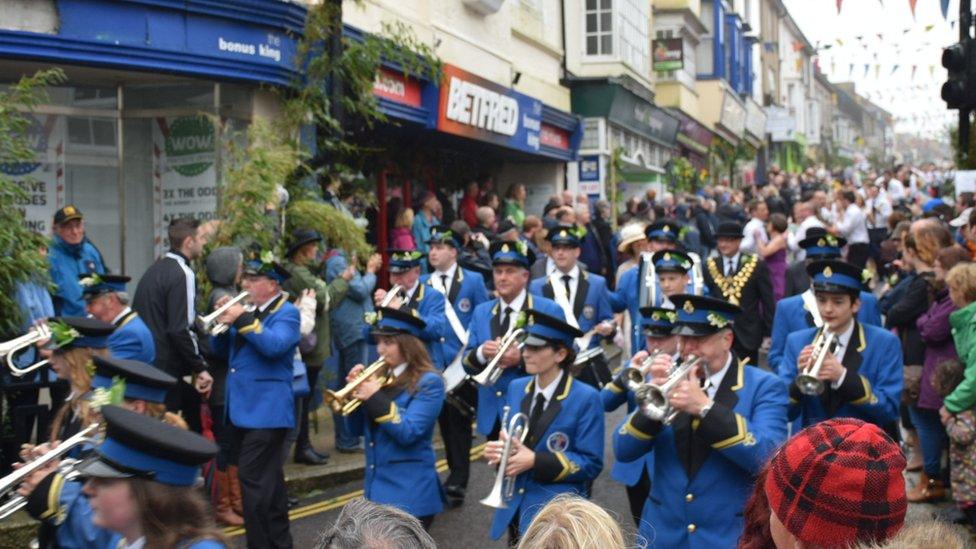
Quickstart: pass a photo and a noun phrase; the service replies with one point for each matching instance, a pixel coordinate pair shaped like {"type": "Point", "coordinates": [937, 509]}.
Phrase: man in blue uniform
{"type": "Point", "coordinates": [657, 324]}
{"type": "Point", "coordinates": [463, 290]}
{"type": "Point", "coordinates": [582, 296]}
{"type": "Point", "coordinates": [260, 347]}
{"type": "Point", "coordinates": [493, 319]}
{"type": "Point", "coordinates": [562, 451]}
{"type": "Point", "coordinates": [793, 313]}
{"type": "Point", "coordinates": [862, 375]}
{"type": "Point", "coordinates": [107, 300]}
{"type": "Point", "coordinates": [706, 458]}
{"type": "Point", "coordinates": [71, 254]}
{"type": "Point", "coordinates": [405, 272]}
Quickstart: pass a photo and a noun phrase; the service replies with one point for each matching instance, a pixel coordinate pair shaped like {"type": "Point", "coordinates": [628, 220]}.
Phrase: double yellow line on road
{"type": "Point", "coordinates": [339, 501]}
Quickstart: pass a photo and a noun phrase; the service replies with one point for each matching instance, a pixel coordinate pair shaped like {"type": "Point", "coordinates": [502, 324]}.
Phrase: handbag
{"type": "Point", "coordinates": [912, 384]}
{"type": "Point", "coordinates": [299, 379]}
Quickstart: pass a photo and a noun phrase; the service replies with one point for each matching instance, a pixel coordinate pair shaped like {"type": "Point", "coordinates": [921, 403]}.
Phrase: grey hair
{"type": "Point", "coordinates": [123, 297]}
{"type": "Point", "coordinates": [366, 525]}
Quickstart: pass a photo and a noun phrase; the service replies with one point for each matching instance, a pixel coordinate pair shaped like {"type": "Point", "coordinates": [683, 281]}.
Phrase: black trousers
{"type": "Point", "coordinates": [186, 400]}
{"type": "Point", "coordinates": [303, 441]}
{"type": "Point", "coordinates": [637, 496]}
{"type": "Point", "coordinates": [456, 432]}
{"type": "Point", "coordinates": [858, 254]}
{"type": "Point", "coordinates": [260, 469]}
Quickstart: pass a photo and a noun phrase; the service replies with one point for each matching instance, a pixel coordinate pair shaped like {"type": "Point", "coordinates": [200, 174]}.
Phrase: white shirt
{"type": "Point", "coordinates": [882, 209]}
{"type": "Point", "coordinates": [191, 285]}
{"type": "Point", "coordinates": [546, 391]}
{"type": "Point", "coordinates": [853, 225]}
{"type": "Point", "coordinates": [265, 305]}
{"type": "Point", "coordinates": [715, 380]}
{"type": "Point", "coordinates": [399, 369]}
{"type": "Point", "coordinates": [896, 190]}
{"type": "Point", "coordinates": [124, 312]}
{"type": "Point", "coordinates": [750, 243]}
{"type": "Point", "coordinates": [573, 275]}
{"type": "Point", "coordinates": [409, 293]}
{"type": "Point", "coordinates": [843, 340]}
{"type": "Point", "coordinates": [137, 544]}
{"type": "Point", "coordinates": [550, 266]}
{"type": "Point", "coordinates": [516, 304]}
{"type": "Point", "coordinates": [795, 238]}
{"type": "Point", "coordinates": [450, 277]}
{"type": "Point", "coordinates": [735, 259]}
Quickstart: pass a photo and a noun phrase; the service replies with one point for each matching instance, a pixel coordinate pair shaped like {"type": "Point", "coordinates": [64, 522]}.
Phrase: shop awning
{"type": "Point", "coordinates": [611, 100]}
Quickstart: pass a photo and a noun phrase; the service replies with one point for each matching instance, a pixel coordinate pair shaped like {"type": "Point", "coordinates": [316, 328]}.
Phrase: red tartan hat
{"type": "Point", "coordinates": [838, 482]}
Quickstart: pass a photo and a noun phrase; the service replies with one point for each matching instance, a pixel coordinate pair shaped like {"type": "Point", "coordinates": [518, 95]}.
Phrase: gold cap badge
{"type": "Point", "coordinates": [504, 248]}
{"type": "Point", "coordinates": [666, 228]}
{"type": "Point", "coordinates": [821, 243]}
{"type": "Point", "coordinates": [688, 307]}
{"type": "Point", "coordinates": [828, 272]}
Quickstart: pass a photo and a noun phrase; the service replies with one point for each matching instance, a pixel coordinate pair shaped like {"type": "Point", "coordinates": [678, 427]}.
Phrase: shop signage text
{"type": "Point", "coordinates": [394, 86]}
{"type": "Point", "coordinates": [262, 50]}
{"type": "Point", "coordinates": [554, 137]}
{"type": "Point", "coordinates": [589, 168]}
{"type": "Point", "coordinates": [668, 54]}
{"type": "Point", "coordinates": [733, 115]}
{"type": "Point", "coordinates": [471, 104]}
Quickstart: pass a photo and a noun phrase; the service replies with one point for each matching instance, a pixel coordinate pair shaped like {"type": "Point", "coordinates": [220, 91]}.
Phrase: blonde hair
{"type": "Point", "coordinates": [79, 363]}
{"type": "Point", "coordinates": [404, 219]}
{"type": "Point", "coordinates": [930, 534]}
{"type": "Point", "coordinates": [961, 280]}
{"type": "Point", "coordinates": [571, 522]}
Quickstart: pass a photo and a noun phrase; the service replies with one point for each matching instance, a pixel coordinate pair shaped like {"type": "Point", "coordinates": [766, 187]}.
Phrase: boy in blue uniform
{"type": "Point", "coordinates": [862, 376]}
{"type": "Point", "coordinates": [261, 346]}
{"type": "Point", "coordinates": [107, 300]}
{"type": "Point", "coordinates": [463, 291]}
{"type": "Point", "coordinates": [562, 451]}
{"type": "Point", "coordinates": [657, 324]}
{"type": "Point", "coordinates": [582, 296]}
{"type": "Point", "coordinates": [493, 319]}
{"type": "Point", "coordinates": [792, 312]}
{"type": "Point", "coordinates": [706, 458]}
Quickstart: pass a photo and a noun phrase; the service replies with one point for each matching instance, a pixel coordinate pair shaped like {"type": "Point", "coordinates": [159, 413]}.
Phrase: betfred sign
{"type": "Point", "coordinates": [396, 87]}
{"type": "Point", "coordinates": [474, 105]}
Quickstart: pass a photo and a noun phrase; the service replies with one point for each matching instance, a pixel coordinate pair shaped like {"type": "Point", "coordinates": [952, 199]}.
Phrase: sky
{"type": "Point", "coordinates": [904, 41]}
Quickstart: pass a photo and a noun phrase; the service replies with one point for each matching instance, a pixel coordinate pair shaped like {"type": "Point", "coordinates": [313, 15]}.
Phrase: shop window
{"type": "Point", "coordinates": [591, 135]}
{"type": "Point", "coordinates": [599, 27]}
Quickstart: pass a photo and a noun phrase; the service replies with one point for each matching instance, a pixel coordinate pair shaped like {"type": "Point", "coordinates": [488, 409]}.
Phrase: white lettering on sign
{"type": "Point", "coordinates": [262, 50]}
{"type": "Point", "coordinates": [390, 85]}
{"type": "Point", "coordinates": [476, 106]}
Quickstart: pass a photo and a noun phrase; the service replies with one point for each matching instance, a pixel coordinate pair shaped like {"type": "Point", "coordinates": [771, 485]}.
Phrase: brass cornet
{"type": "Point", "coordinates": [493, 370]}
{"type": "Point", "coordinates": [38, 333]}
{"type": "Point", "coordinates": [8, 484]}
{"type": "Point", "coordinates": [807, 380]}
{"type": "Point", "coordinates": [653, 399]}
{"type": "Point", "coordinates": [504, 487]}
{"type": "Point", "coordinates": [636, 376]}
{"type": "Point", "coordinates": [342, 401]}
{"type": "Point", "coordinates": [209, 324]}
{"type": "Point", "coordinates": [394, 292]}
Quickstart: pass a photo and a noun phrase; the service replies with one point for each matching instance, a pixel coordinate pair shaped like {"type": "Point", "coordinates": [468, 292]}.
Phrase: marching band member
{"type": "Point", "coordinates": [260, 346]}
{"type": "Point", "coordinates": [743, 280]}
{"type": "Point", "coordinates": [493, 319]}
{"type": "Point", "coordinates": [563, 447]}
{"type": "Point", "coordinates": [107, 300]}
{"type": "Point", "coordinates": [463, 291]}
{"type": "Point", "coordinates": [791, 312]}
{"type": "Point", "coordinates": [582, 296]}
{"type": "Point", "coordinates": [141, 484]}
{"type": "Point", "coordinates": [399, 418]}
{"type": "Point", "coordinates": [673, 270]}
{"type": "Point", "coordinates": [705, 459]}
{"type": "Point", "coordinates": [58, 502]}
{"type": "Point", "coordinates": [862, 376]}
{"type": "Point", "coordinates": [657, 324]}
{"type": "Point", "coordinates": [405, 271]}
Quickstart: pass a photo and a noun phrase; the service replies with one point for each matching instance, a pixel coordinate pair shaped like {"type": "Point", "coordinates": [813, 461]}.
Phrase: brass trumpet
{"type": "Point", "coordinates": [493, 370]}
{"type": "Point", "coordinates": [38, 333]}
{"type": "Point", "coordinates": [504, 487]}
{"type": "Point", "coordinates": [653, 399]}
{"type": "Point", "coordinates": [210, 325]}
{"type": "Point", "coordinates": [342, 401]}
{"type": "Point", "coordinates": [636, 376]}
{"type": "Point", "coordinates": [8, 484]}
{"type": "Point", "coordinates": [807, 380]}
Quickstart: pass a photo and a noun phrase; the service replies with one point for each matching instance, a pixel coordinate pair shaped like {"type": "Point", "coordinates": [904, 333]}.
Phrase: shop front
{"type": "Point", "coordinates": [694, 140]}
{"type": "Point", "coordinates": [127, 137]}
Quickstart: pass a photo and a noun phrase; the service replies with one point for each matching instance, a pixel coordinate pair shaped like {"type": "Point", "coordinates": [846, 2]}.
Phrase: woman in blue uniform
{"type": "Point", "coordinates": [141, 484]}
{"type": "Point", "coordinates": [562, 451]}
{"type": "Point", "coordinates": [398, 418]}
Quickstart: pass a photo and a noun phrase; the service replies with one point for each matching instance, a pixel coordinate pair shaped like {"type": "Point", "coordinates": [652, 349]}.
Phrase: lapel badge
{"type": "Point", "coordinates": [557, 442]}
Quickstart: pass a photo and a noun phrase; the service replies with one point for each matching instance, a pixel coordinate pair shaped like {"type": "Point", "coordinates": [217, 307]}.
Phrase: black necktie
{"type": "Point", "coordinates": [540, 404]}
{"type": "Point", "coordinates": [566, 279]}
{"type": "Point", "coordinates": [505, 314]}
{"type": "Point", "coordinates": [729, 267]}
{"type": "Point", "coordinates": [444, 282]}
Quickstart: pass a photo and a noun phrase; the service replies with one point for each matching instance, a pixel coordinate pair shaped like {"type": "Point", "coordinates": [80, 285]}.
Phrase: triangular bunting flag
{"type": "Point", "coordinates": [839, 2]}
{"type": "Point", "coordinates": [913, 71]}
{"type": "Point", "coordinates": [867, 67]}
{"type": "Point", "coordinates": [931, 70]}
{"type": "Point", "coordinates": [894, 69]}
{"type": "Point", "coordinates": [911, 4]}
{"type": "Point", "coordinates": [944, 4]}
{"type": "Point", "coordinates": [850, 70]}
{"type": "Point", "coordinates": [877, 71]}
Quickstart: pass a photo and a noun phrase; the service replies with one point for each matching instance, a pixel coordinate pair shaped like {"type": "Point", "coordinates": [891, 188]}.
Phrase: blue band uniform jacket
{"type": "Point", "coordinates": [704, 468]}
{"type": "Point", "coordinates": [260, 347]}
{"type": "Point", "coordinates": [568, 445]}
{"type": "Point", "coordinates": [591, 305]}
{"type": "Point", "coordinates": [613, 395]}
{"type": "Point", "coordinates": [467, 292]}
{"type": "Point", "coordinates": [132, 339]}
{"type": "Point", "coordinates": [486, 325]}
{"type": "Point", "coordinates": [59, 503]}
{"type": "Point", "coordinates": [872, 387]}
{"type": "Point", "coordinates": [792, 316]}
{"type": "Point", "coordinates": [429, 304]}
{"type": "Point", "coordinates": [398, 426]}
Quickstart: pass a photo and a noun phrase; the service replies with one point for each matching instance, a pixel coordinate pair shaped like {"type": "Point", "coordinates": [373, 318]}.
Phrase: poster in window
{"type": "Point", "coordinates": [668, 54]}
{"type": "Point", "coordinates": [41, 181]}
{"type": "Point", "coordinates": [184, 172]}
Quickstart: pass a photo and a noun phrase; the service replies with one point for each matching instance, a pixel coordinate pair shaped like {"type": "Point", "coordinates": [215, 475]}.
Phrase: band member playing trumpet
{"type": "Point", "coordinates": [107, 300]}
{"type": "Point", "coordinates": [562, 449]}
{"type": "Point", "coordinates": [398, 420]}
{"type": "Point", "coordinates": [657, 324]}
{"type": "Point", "coordinates": [706, 458]}
{"type": "Point", "coordinates": [463, 290]}
{"type": "Point", "coordinates": [260, 346]}
{"type": "Point", "coordinates": [582, 296]}
{"type": "Point", "coordinates": [493, 319]}
{"type": "Point", "coordinates": [862, 375]}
